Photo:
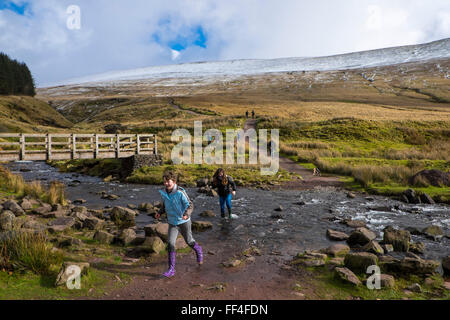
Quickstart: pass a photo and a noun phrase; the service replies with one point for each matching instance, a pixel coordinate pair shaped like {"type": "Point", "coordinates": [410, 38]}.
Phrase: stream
{"type": "Point", "coordinates": [294, 229]}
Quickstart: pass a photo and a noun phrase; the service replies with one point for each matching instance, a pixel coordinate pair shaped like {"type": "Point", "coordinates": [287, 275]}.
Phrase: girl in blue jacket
{"type": "Point", "coordinates": [178, 208]}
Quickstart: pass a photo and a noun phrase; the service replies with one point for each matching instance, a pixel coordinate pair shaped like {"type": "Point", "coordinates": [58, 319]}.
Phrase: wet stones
{"type": "Point", "coordinates": [44, 208]}
{"type": "Point", "coordinates": [361, 236]}
{"type": "Point", "coordinates": [201, 225]}
{"type": "Point", "coordinates": [336, 235]}
{"type": "Point", "coordinates": [354, 223]}
{"type": "Point", "coordinates": [418, 247]}
{"type": "Point", "coordinates": [446, 265]}
{"type": "Point", "coordinates": [359, 261]}
{"type": "Point", "coordinates": [208, 213]}
{"type": "Point", "coordinates": [399, 239]}
{"type": "Point", "coordinates": [347, 276]}
{"type": "Point", "coordinates": [433, 232]}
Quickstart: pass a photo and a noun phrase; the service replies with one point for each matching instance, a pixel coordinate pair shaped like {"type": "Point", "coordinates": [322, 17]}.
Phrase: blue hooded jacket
{"type": "Point", "coordinates": [176, 204]}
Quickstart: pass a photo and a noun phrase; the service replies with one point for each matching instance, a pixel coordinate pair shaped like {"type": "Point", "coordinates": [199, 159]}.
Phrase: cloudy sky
{"type": "Point", "coordinates": [126, 34]}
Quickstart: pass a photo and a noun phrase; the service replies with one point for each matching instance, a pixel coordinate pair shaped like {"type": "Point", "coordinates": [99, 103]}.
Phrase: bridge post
{"type": "Point", "coordinates": [22, 147]}
{"type": "Point", "coordinates": [96, 146]}
{"type": "Point", "coordinates": [117, 145]}
{"type": "Point", "coordinates": [49, 146]}
{"type": "Point", "coordinates": [74, 145]}
{"type": "Point", "coordinates": [138, 144]}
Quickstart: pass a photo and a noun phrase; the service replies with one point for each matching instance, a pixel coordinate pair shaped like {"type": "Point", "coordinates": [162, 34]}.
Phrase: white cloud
{"type": "Point", "coordinates": [117, 34]}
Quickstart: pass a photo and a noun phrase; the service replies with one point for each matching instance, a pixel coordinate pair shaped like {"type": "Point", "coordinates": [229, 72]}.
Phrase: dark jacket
{"type": "Point", "coordinates": [224, 190]}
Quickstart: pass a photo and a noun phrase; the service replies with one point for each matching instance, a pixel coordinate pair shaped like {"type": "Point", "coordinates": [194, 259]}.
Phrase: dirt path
{"type": "Point", "coordinates": [174, 105]}
{"type": "Point", "coordinates": [309, 180]}
{"type": "Point", "coordinates": [266, 278]}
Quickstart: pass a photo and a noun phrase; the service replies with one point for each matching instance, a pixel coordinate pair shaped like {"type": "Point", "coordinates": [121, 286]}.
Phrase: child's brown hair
{"type": "Point", "coordinates": [170, 175]}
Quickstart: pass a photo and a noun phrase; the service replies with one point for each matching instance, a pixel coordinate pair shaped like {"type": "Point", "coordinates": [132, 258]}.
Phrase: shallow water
{"type": "Point", "coordinates": [300, 226]}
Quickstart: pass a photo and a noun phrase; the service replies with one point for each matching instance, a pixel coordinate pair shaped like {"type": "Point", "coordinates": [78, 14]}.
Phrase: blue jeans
{"type": "Point", "coordinates": [225, 200]}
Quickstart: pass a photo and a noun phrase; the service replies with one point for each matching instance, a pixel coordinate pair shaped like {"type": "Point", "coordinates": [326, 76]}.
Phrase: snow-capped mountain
{"type": "Point", "coordinates": [372, 58]}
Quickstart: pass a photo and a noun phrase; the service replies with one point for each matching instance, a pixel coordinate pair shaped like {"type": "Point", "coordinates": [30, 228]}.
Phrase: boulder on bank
{"type": "Point", "coordinates": [123, 217]}
{"type": "Point", "coordinates": [411, 265]}
{"type": "Point", "coordinates": [68, 271]}
{"type": "Point", "coordinates": [399, 239]}
{"type": "Point", "coordinates": [361, 236]}
{"type": "Point", "coordinates": [104, 237]}
{"type": "Point", "coordinates": [347, 275]}
{"type": "Point", "coordinates": [154, 244]}
{"type": "Point", "coordinates": [14, 207]}
{"type": "Point", "coordinates": [373, 247]}
{"type": "Point", "coordinates": [208, 213]}
{"type": "Point", "coordinates": [127, 236]}
{"type": "Point", "coordinates": [434, 177]}
{"type": "Point", "coordinates": [93, 223]}
{"type": "Point", "coordinates": [157, 229]}
{"type": "Point", "coordinates": [337, 250]}
{"type": "Point", "coordinates": [7, 219]}
{"type": "Point", "coordinates": [359, 261]}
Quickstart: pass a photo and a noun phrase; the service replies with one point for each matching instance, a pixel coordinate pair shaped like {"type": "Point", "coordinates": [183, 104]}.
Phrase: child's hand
{"type": "Point", "coordinates": [233, 193]}
{"type": "Point", "coordinates": [185, 217]}
{"type": "Point", "coordinates": [157, 215]}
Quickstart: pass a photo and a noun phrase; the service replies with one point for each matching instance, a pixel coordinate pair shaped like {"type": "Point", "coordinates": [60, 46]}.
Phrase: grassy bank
{"type": "Point", "coordinates": [379, 156]}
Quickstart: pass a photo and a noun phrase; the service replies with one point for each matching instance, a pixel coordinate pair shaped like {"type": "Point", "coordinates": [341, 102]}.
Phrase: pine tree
{"type": "Point", "coordinates": [15, 77]}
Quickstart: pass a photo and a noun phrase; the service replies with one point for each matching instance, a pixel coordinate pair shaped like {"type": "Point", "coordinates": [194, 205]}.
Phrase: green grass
{"type": "Point", "coordinates": [328, 286]}
{"type": "Point", "coordinates": [29, 286]}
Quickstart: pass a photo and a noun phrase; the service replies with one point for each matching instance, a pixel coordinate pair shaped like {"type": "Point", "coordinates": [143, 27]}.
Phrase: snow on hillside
{"type": "Point", "coordinates": [379, 57]}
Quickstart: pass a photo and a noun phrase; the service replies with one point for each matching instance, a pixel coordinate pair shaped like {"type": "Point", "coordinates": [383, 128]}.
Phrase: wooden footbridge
{"type": "Point", "coordinates": [51, 146]}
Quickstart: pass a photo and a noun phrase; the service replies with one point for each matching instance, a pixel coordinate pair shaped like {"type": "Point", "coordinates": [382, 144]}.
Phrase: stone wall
{"type": "Point", "coordinates": [140, 160]}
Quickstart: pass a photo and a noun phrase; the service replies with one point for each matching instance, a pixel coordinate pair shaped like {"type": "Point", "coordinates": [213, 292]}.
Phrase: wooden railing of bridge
{"type": "Point", "coordinates": [52, 146]}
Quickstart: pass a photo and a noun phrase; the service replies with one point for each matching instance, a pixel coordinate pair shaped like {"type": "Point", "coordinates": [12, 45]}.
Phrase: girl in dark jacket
{"type": "Point", "coordinates": [226, 187]}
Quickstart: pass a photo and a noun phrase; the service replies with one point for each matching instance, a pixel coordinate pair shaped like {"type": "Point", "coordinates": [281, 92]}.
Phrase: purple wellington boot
{"type": "Point", "coordinates": [198, 252]}
{"type": "Point", "coordinates": [171, 272]}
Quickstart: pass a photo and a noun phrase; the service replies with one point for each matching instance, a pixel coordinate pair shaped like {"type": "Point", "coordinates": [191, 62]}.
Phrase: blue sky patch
{"type": "Point", "coordinates": [180, 39]}
{"type": "Point", "coordinates": [9, 5]}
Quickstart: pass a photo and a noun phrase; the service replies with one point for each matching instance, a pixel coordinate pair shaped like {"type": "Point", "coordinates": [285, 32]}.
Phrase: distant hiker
{"type": "Point", "coordinates": [226, 187]}
{"type": "Point", "coordinates": [316, 172]}
{"type": "Point", "coordinates": [253, 114]}
{"type": "Point", "coordinates": [178, 208]}
{"type": "Point", "coordinates": [246, 114]}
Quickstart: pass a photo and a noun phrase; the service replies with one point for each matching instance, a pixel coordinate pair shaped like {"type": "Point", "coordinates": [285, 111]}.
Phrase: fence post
{"type": "Point", "coordinates": [49, 146]}
{"type": "Point", "coordinates": [138, 144]}
{"type": "Point", "coordinates": [155, 145]}
{"type": "Point", "coordinates": [22, 147]}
